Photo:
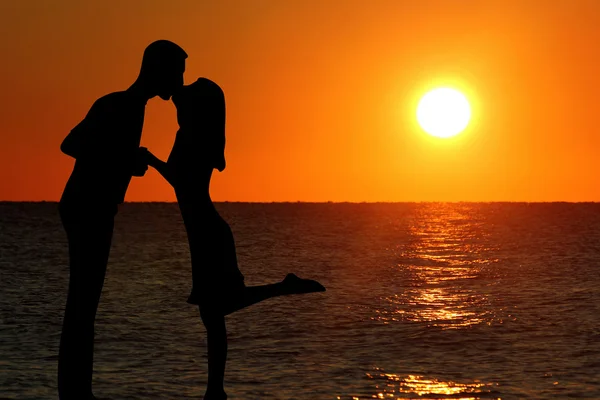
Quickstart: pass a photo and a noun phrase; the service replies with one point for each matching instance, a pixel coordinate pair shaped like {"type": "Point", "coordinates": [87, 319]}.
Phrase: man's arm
{"type": "Point", "coordinates": [73, 145]}
{"type": "Point", "coordinates": [69, 146]}
{"type": "Point", "coordinates": [102, 138]}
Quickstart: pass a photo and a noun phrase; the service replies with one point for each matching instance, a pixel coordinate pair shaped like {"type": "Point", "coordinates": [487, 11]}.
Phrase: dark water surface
{"type": "Point", "coordinates": [426, 301]}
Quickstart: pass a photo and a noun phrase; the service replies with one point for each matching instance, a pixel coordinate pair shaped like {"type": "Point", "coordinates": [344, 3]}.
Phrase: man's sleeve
{"type": "Point", "coordinates": [79, 142]}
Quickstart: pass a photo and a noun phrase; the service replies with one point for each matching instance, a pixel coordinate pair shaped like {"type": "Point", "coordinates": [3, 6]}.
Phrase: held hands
{"type": "Point", "coordinates": [140, 164]}
{"type": "Point", "coordinates": [150, 159]}
{"type": "Point", "coordinates": [145, 158]}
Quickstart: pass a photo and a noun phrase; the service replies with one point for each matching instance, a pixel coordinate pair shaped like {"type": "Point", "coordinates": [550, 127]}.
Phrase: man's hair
{"type": "Point", "coordinates": [161, 54]}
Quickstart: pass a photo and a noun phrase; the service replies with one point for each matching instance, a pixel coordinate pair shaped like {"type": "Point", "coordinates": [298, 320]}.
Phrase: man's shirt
{"type": "Point", "coordinates": [106, 146]}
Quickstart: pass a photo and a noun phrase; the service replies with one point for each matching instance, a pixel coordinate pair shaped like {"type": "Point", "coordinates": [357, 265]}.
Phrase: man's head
{"type": "Point", "coordinates": [162, 69]}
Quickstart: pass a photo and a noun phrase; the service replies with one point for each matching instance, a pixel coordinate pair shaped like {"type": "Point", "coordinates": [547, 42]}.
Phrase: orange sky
{"type": "Point", "coordinates": [321, 95]}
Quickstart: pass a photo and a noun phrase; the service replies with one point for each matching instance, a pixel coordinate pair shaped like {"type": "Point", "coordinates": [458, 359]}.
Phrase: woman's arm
{"type": "Point", "coordinates": [162, 167]}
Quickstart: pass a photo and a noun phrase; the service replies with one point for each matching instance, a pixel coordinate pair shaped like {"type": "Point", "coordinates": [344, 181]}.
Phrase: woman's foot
{"type": "Point", "coordinates": [294, 285]}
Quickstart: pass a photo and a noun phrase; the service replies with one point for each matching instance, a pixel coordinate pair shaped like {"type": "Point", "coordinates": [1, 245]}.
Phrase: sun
{"type": "Point", "coordinates": [443, 112]}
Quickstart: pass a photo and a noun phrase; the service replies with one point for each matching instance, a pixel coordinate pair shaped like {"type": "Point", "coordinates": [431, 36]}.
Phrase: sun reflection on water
{"type": "Point", "coordinates": [437, 307]}
{"type": "Point", "coordinates": [393, 386]}
{"type": "Point", "coordinates": [422, 386]}
{"type": "Point", "coordinates": [441, 268]}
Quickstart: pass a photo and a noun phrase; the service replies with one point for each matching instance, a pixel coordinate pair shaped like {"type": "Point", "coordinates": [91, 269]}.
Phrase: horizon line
{"type": "Point", "coordinates": [343, 202]}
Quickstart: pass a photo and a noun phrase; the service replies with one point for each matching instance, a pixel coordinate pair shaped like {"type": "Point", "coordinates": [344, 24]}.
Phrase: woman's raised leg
{"type": "Point", "coordinates": [292, 284]}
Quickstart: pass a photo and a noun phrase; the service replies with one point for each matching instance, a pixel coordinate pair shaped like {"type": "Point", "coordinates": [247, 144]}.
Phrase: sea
{"type": "Point", "coordinates": [423, 301]}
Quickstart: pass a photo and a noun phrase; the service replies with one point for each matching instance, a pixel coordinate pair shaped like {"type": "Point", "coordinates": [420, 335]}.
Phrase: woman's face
{"type": "Point", "coordinates": [183, 103]}
{"type": "Point", "coordinates": [197, 109]}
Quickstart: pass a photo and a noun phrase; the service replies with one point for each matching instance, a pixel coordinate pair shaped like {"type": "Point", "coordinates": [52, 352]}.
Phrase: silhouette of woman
{"type": "Point", "coordinates": [218, 285]}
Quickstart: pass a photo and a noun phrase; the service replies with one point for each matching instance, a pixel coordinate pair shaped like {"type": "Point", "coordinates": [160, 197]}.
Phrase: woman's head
{"type": "Point", "coordinates": [200, 105]}
{"type": "Point", "coordinates": [201, 117]}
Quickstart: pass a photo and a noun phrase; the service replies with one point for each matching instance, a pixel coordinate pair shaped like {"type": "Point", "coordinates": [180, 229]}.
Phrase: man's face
{"type": "Point", "coordinates": [170, 80]}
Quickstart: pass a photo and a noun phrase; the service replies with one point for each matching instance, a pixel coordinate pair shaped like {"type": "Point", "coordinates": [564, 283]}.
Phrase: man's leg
{"type": "Point", "coordinates": [68, 350]}
{"type": "Point", "coordinates": [89, 247]}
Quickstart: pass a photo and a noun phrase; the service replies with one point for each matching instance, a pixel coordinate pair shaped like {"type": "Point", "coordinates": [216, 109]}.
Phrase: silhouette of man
{"type": "Point", "coordinates": [106, 149]}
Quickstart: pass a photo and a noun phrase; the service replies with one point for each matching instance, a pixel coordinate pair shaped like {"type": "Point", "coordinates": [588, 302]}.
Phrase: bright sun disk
{"type": "Point", "coordinates": [443, 112]}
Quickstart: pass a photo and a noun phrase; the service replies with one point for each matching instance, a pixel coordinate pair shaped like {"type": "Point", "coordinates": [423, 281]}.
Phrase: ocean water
{"type": "Point", "coordinates": [423, 301]}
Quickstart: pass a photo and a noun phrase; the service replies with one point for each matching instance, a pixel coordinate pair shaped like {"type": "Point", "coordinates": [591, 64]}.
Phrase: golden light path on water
{"type": "Point", "coordinates": [440, 263]}
{"type": "Point", "coordinates": [439, 269]}
{"type": "Point", "coordinates": [392, 386]}
{"type": "Point", "coordinates": [415, 384]}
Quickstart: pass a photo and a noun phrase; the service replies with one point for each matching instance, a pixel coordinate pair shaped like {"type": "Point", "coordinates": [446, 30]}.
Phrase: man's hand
{"type": "Point", "coordinates": [140, 164]}
{"type": "Point", "coordinates": [161, 167]}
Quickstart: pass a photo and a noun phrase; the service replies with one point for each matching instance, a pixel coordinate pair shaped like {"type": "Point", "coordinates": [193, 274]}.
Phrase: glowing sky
{"type": "Point", "coordinates": [321, 95]}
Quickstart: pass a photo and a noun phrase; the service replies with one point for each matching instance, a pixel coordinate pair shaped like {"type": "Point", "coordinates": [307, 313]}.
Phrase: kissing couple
{"type": "Point", "coordinates": [107, 153]}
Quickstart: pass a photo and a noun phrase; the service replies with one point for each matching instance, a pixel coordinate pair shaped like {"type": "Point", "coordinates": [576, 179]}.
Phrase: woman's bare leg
{"type": "Point", "coordinates": [214, 321]}
{"type": "Point", "coordinates": [290, 285]}
{"type": "Point", "coordinates": [217, 353]}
